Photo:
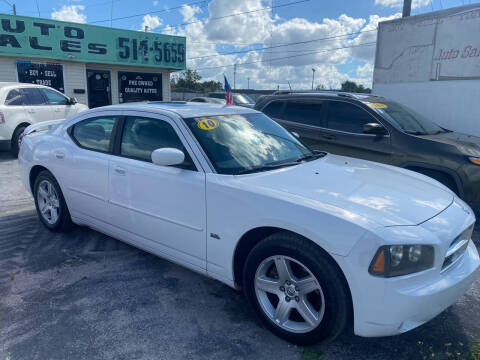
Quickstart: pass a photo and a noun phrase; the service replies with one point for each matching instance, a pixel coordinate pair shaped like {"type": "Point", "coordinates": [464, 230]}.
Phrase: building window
{"type": "Point", "coordinates": [48, 74]}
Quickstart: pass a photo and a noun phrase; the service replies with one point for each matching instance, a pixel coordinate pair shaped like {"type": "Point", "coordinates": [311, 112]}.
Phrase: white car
{"type": "Point", "coordinates": [25, 104]}
{"type": "Point", "coordinates": [313, 239]}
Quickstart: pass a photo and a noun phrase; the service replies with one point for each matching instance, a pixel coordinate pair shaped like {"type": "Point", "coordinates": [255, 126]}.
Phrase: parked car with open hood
{"type": "Point", "coordinates": [314, 239]}
{"type": "Point", "coordinates": [24, 104]}
{"type": "Point", "coordinates": [374, 128]}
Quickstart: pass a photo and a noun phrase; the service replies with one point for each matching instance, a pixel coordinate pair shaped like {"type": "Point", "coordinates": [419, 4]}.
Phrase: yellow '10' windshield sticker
{"type": "Point", "coordinates": [207, 124]}
{"type": "Point", "coordinates": [377, 105]}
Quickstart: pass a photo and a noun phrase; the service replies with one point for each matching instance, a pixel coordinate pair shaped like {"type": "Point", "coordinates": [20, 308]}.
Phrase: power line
{"type": "Point", "coordinates": [147, 13]}
{"type": "Point", "coordinates": [281, 45]}
{"type": "Point", "coordinates": [240, 13]}
{"type": "Point", "coordinates": [287, 57]}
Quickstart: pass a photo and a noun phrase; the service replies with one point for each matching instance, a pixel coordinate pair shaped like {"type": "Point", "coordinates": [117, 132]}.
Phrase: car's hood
{"type": "Point", "coordinates": [383, 194]}
{"type": "Point", "coordinates": [466, 144]}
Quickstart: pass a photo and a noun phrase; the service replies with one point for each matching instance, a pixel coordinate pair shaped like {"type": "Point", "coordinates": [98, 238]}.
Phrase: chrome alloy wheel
{"type": "Point", "coordinates": [289, 294]}
{"type": "Point", "coordinates": [48, 202]}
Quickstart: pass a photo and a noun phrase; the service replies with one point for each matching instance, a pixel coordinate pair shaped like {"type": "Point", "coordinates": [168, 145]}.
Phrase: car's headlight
{"type": "Point", "coordinates": [474, 160]}
{"type": "Point", "coordinates": [397, 260]}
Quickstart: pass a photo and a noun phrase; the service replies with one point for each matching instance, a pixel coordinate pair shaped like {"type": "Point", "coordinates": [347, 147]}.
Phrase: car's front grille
{"type": "Point", "coordinates": [457, 248]}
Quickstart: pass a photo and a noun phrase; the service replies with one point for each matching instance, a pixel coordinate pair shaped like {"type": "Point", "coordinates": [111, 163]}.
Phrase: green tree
{"type": "Point", "coordinates": [352, 86]}
{"type": "Point", "coordinates": [187, 80]}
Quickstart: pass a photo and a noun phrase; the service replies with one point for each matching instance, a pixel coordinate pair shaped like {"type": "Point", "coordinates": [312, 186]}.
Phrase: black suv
{"type": "Point", "coordinates": [374, 128]}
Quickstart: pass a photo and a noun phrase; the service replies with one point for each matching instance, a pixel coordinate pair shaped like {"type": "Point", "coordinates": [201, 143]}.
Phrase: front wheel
{"type": "Point", "coordinates": [50, 203]}
{"type": "Point", "coordinates": [296, 289]}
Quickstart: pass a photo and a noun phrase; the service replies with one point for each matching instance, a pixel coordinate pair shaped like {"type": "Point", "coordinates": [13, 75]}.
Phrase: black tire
{"type": "Point", "coordinates": [335, 289]}
{"type": "Point", "coordinates": [15, 137]}
{"type": "Point", "coordinates": [63, 222]}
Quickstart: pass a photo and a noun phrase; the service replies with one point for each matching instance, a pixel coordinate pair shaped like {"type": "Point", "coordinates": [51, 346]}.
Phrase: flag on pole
{"type": "Point", "coordinates": [228, 92]}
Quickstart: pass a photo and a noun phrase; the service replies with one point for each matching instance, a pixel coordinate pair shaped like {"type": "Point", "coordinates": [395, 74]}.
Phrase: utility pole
{"type": "Point", "coordinates": [248, 82]}
{"type": "Point", "coordinates": [14, 9]}
{"type": "Point", "coordinates": [111, 14]}
{"type": "Point", "coordinates": [313, 76]}
{"type": "Point", "coordinates": [234, 76]}
{"type": "Point", "coordinates": [407, 7]}
{"type": "Point", "coordinates": [146, 28]}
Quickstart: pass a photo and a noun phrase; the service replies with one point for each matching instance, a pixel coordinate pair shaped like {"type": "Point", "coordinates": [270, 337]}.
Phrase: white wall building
{"type": "Point", "coordinates": [431, 63]}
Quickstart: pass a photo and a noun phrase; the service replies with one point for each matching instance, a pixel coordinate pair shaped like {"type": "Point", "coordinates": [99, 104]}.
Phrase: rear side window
{"type": "Point", "coordinates": [303, 112]}
{"type": "Point", "coordinates": [33, 96]}
{"type": "Point", "coordinates": [347, 117]}
{"type": "Point", "coordinates": [141, 136]}
{"type": "Point", "coordinates": [54, 98]}
{"type": "Point", "coordinates": [94, 134]}
{"type": "Point", "coordinates": [274, 109]}
{"type": "Point", "coordinates": [15, 97]}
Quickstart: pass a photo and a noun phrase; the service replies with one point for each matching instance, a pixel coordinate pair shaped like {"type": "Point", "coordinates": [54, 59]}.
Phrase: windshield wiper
{"type": "Point", "coordinates": [266, 167]}
{"type": "Point", "coordinates": [416, 132]}
{"type": "Point", "coordinates": [312, 156]}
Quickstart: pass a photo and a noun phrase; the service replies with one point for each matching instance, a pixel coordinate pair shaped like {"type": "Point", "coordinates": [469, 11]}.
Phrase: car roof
{"type": "Point", "coordinates": [183, 109]}
{"type": "Point", "coordinates": [324, 94]}
{"type": "Point", "coordinates": [5, 84]}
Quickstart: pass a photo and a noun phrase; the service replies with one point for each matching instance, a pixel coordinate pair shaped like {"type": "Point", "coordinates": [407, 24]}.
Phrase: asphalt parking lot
{"type": "Point", "coordinates": [84, 295]}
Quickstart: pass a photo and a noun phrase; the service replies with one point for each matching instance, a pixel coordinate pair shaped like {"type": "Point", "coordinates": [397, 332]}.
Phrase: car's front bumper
{"type": "Point", "coordinates": [390, 306]}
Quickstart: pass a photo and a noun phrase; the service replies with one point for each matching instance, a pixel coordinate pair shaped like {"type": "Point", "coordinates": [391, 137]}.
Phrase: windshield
{"type": "Point", "coordinates": [406, 119]}
{"type": "Point", "coordinates": [242, 99]}
{"type": "Point", "coordinates": [241, 143]}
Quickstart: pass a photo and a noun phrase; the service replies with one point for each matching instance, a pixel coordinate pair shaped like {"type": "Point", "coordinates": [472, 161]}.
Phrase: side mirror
{"type": "Point", "coordinates": [168, 156]}
{"type": "Point", "coordinates": [374, 129]}
{"type": "Point", "coordinates": [73, 101]}
{"type": "Point", "coordinates": [295, 134]}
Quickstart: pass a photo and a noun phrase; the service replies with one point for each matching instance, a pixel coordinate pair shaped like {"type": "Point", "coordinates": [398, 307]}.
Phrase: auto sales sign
{"type": "Point", "coordinates": [51, 39]}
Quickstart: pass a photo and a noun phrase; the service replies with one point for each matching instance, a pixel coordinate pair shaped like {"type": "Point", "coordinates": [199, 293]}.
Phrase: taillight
{"type": "Point", "coordinates": [2, 118]}
{"type": "Point", "coordinates": [20, 138]}
{"type": "Point", "coordinates": [22, 135]}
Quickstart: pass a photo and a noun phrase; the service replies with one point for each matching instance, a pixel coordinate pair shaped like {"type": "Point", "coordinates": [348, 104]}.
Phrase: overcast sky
{"type": "Point", "coordinates": [301, 23]}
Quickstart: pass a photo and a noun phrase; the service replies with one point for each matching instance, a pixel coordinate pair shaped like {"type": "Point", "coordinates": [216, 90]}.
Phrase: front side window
{"type": "Point", "coordinates": [15, 97]}
{"type": "Point", "coordinates": [343, 116]}
{"type": "Point", "coordinates": [54, 98]}
{"type": "Point", "coordinates": [141, 136]}
{"type": "Point", "coordinates": [33, 96]}
{"type": "Point", "coordinates": [241, 143]}
{"type": "Point", "coordinates": [274, 109]}
{"type": "Point", "coordinates": [303, 112]}
{"type": "Point", "coordinates": [94, 134]}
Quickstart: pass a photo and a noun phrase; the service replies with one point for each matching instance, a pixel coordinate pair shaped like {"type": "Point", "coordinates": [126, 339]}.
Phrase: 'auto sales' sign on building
{"type": "Point", "coordinates": [51, 39]}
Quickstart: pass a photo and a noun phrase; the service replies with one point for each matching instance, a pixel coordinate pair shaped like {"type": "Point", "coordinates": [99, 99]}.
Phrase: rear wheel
{"type": "Point", "coordinates": [296, 289]}
{"type": "Point", "coordinates": [50, 203]}
{"type": "Point", "coordinates": [14, 148]}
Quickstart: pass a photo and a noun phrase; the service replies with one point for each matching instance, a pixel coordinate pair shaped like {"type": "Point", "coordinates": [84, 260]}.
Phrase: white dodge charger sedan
{"type": "Point", "coordinates": [313, 239]}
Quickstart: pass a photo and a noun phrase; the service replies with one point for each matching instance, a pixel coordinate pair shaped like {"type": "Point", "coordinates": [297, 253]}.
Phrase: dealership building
{"type": "Point", "coordinates": [96, 65]}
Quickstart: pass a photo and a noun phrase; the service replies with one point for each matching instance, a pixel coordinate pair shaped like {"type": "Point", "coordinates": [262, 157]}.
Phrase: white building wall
{"type": "Point", "coordinates": [454, 105]}
{"type": "Point", "coordinates": [75, 76]}
{"type": "Point", "coordinates": [431, 63]}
